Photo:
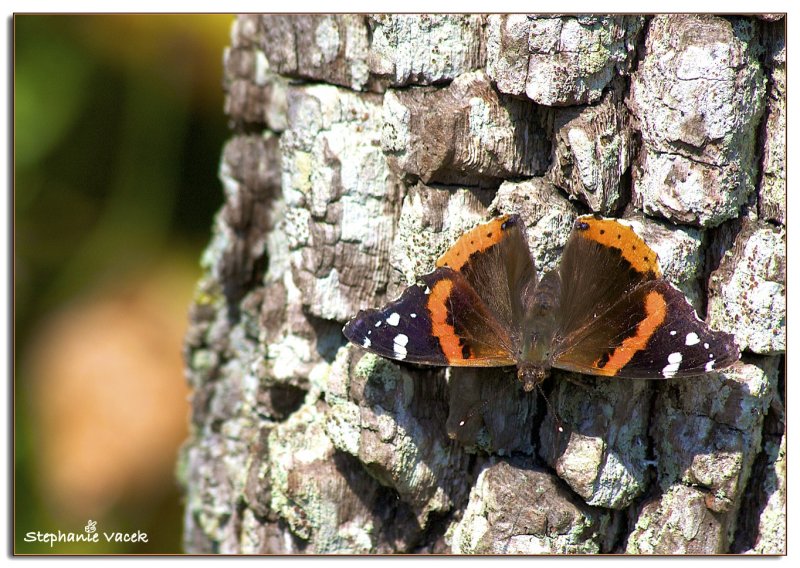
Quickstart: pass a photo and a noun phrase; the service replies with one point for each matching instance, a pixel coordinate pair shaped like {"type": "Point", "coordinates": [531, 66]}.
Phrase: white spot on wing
{"type": "Point", "coordinates": [400, 342]}
{"type": "Point", "coordinates": [692, 339]}
{"type": "Point", "coordinates": [393, 319]}
{"type": "Point", "coordinates": [378, 323]}
{"type": "Point", "coordinates": [674, 364]}
{"type": "Point", "coordinates": [673, 332]}
{"type": "Point", "coordinates": [705, 345]}
{"type": "Point", "coordinates": [427, 290]}
{"type": "Point", "coordinates": [413, 315]}
{"type": "Point", "coordinates": [709, 366]}
{"type": "Point", "coordinates": [366, 343]}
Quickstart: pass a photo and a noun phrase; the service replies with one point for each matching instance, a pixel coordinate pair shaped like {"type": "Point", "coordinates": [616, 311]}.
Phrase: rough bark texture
{"type": "Point", "coordinates": [362, 147]}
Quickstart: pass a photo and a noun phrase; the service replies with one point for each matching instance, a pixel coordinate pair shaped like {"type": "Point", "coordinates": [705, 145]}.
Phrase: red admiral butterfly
{"type": "Point", "coordinates": [606, 310]}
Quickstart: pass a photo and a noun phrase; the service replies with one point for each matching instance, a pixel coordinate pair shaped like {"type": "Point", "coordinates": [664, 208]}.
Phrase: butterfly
{"type": "Point", "coordinates": [606, 310]}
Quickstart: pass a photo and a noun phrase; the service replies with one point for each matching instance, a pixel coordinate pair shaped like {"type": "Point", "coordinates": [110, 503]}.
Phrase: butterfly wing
{"type": "Point", "coordinates": [621, 318]}
{"type": "Point", "coordinates": [650, 333]}
{"type": "Point", "coordinates": [468, 312]}
{"type": "Point", "coordinates": [495, 260]}
{"type": "Point", "coordinates": [603, 260]}
{"type": "Point", "coordinates": [440, 322]}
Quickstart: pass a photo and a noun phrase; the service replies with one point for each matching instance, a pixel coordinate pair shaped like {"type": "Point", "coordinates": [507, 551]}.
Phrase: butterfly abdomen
{"type": "Point", "coordinates": [539, 327]}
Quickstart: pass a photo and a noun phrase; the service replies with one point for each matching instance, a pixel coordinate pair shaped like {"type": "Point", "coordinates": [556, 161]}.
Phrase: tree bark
{"type": "Point", "coordinates": [362, 147]}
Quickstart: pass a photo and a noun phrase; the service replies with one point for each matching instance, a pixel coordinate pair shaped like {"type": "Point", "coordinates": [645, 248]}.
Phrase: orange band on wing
{"type": "Point", "coordinates": [477, 240]}
{"type": "Point", "coordinates": [612, 233]}
{"type": "Point", "coordinates": [442, 329]}
{"type": "Point", "coordinates": [655, 308]}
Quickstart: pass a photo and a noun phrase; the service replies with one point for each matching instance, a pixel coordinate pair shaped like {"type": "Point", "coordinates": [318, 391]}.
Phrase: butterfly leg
{"type": "Point", "coordinates": [585, 382]}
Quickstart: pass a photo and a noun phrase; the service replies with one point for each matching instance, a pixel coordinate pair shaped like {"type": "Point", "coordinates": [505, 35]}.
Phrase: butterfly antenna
{"type": "Point", "coordinates": [477, 408]}
{"type": "Point", "coordinates": [556, 417]}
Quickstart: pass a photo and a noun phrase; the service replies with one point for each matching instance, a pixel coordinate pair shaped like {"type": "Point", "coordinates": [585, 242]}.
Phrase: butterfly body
{"type": "Point", "coordinates": [539, 330]}
{"type": "Point", "coordinates": [606, 310]}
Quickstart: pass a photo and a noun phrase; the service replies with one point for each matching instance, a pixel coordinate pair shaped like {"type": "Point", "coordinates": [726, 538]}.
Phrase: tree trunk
{"type": "Point", "coordinates": [362, 147]}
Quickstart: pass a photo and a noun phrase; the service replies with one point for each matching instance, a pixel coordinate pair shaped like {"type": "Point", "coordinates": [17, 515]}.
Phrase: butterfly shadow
{"type": "Point", "coordinates": [397, 431]}
{"type": "Point", "coordinates": [489, 411]}
{"type": "Point", "coordinates": [707, 431]}
{"type": "Point", "coordinates": [595, 436]}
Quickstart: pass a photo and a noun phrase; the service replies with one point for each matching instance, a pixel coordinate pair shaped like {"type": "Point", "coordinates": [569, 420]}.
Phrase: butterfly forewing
{"type": "Point", "coordinates": [469, 333]}
{"type": "Point", "coordinates": [401, 330]}
{"type": "Point", "coordinates": [440, 322]}
{"type": "Point", "coordinates": [651, 332]}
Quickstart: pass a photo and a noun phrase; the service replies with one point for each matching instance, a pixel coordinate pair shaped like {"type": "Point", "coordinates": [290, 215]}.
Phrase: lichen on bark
{"type": "Point", "coordinates": [361, 148]}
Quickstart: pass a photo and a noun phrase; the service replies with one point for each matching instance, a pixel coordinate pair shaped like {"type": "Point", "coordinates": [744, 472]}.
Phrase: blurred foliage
{"type": "Point", "coordinates": [118, 129]}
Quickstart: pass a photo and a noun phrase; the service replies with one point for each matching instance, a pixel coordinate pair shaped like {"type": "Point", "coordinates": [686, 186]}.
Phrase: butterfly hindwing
{"type": "Point", "coordinates": [650, 333]}
{"type": "Point", "coordinates": [495, 260]}
{"type": "Point", "coordinates": [603, 261]}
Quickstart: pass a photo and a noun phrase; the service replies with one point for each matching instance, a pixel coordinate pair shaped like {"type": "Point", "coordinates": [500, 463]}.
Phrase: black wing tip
{"type": "Point", "coordinates": [347, 330]}
{"type": "Point", "coordinates": [351, 328]}
{"type": "Point", "coordinates": [732, 353]}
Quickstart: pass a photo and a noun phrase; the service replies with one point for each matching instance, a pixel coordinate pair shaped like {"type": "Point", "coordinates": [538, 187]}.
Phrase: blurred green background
{"type": "Point", "coordinates": [118, 130]}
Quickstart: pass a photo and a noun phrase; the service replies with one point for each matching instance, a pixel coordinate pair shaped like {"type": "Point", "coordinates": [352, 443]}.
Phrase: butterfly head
{"type": "Point", "coordinates": [531, 375]}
